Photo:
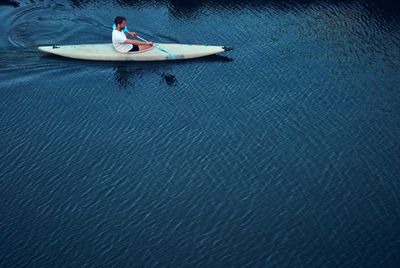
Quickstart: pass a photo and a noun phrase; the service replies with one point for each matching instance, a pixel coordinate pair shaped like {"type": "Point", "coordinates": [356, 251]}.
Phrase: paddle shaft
{"type": "Point", "coordinates": [159, 48]}
{"type": "Point", "coordinates": [144, 40]}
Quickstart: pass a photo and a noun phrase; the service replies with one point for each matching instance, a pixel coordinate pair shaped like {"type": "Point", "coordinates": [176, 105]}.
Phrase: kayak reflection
{"type": "Point", "coordinates": [126, 73]}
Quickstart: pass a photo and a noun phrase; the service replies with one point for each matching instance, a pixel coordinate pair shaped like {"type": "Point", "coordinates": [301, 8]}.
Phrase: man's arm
{"type": "Point", "coordinates": [138, 43]}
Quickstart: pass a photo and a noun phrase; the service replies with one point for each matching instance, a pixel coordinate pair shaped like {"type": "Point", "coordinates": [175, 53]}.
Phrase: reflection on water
{"type": "Point", "coordinates": [170, 79]}
{"type": "Point", "coordinates": [124, 76]}
{"type": "Point", "coordinates": [186, 7]}
{"type": "Point", "coordinates": [125, 73]}
{"type": "Point", "coordinates": [9, 3]}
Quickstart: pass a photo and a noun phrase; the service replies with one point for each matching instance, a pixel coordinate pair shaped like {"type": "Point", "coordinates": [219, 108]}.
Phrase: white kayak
{"type": "Point", "coordinates": [159, 52]}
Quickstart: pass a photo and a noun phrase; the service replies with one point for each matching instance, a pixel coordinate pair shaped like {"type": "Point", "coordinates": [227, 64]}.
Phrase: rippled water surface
{"type": "Point", "coordinates": [281, 153]}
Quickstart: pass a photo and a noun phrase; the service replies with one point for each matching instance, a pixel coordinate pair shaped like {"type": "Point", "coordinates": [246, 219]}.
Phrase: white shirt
{"type": "Point", "coordinates": [118, 39]}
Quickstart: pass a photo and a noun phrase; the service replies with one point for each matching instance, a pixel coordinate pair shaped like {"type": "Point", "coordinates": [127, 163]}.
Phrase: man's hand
{"type": "Point", "coordinates": [133, 34]}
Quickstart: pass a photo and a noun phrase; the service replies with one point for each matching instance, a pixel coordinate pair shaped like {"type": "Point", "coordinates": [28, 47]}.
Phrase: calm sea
{"type": "Point", "coordinates": [284, 152]}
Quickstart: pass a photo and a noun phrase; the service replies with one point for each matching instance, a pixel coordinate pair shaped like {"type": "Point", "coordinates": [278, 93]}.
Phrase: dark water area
{"type": "Point", "coordinates": [284, 152]}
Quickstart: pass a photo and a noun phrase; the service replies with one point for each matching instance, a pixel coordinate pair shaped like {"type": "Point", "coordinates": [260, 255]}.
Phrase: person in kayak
{"type": "Point", "coordinates": [121, 43]}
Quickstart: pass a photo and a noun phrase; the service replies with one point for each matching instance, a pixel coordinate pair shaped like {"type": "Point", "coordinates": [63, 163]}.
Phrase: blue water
{"type": "Point", "coordinates": [284, 152]}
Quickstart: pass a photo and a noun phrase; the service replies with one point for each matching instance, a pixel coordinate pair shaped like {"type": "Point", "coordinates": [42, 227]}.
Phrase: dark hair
{"type": "Point", "coordinates": [119, 20]}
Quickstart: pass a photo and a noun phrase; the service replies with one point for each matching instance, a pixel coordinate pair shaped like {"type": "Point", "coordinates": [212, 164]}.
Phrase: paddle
{"type": "Point", "coordinates": [159, 48]}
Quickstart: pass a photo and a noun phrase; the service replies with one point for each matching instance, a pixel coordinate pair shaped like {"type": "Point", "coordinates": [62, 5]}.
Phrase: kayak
{"type": "Point", "coordinates": [159, 52]}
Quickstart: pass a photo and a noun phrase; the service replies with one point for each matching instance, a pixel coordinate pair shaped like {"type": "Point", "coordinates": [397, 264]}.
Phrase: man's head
{"type": "Point", "coordinates": [120, 22]}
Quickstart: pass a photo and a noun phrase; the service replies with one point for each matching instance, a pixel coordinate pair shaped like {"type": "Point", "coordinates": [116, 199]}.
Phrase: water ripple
{"type": "Point", "coordinates": [276, 158]}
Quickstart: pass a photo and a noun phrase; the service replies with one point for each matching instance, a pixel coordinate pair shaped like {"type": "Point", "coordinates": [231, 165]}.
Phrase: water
{"type": "Point", "coordinates": [281, 153]}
